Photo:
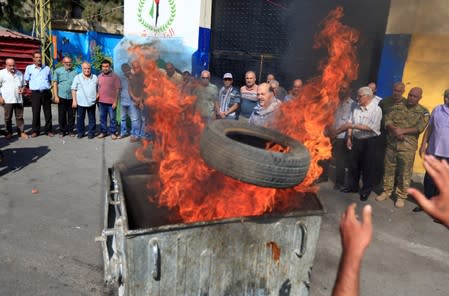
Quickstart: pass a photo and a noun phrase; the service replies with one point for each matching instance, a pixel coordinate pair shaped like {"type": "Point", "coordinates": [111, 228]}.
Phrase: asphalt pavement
{"type": "Point", "coordinates": [51, 210]}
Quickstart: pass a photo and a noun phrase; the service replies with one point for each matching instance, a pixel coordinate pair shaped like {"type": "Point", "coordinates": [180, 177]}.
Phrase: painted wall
{"type": "Point", "coordinates": [427, 56]}
{"type": "Point", "coordinates": [80, 44]}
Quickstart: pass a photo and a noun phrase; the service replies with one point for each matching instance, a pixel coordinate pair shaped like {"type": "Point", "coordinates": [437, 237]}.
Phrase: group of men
{"type": "Point", "coordinates": [75, 94]}
{"type": "Point", "coordinates": [376, 140]}
{"type": "Point", "coordinates": [251, 102]}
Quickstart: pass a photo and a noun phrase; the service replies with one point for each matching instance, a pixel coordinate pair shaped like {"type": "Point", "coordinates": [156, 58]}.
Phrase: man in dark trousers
{"type": "Point", "coordinates": [38, 77]}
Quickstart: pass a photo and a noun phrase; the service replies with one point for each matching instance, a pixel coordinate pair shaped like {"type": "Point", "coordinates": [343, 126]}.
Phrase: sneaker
{"type": "Point", "coordinates": [114, 137]}
{"type": "Point", "coordinates": [101, 136]}
{"type": "Point", "coordinates": [383, 196]}
{"type": "Point", "coordinates": [400, 203]}
{"type": "Point", "coordinates": [417, 209]}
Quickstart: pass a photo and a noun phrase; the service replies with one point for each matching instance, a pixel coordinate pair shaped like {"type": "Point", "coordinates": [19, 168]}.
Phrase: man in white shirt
{"type": "Point", "coordinates": [11, 88]}
{"type": "Point", "coordinates": [373, 87]}
{"type": "Point", "coordinates": [363, 131]}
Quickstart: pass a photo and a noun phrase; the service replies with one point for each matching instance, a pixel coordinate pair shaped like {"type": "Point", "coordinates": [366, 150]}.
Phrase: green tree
{"type": "Point", "coordinates": [15, 15]}
{"type": "Point", "coordinates": [97, 56]}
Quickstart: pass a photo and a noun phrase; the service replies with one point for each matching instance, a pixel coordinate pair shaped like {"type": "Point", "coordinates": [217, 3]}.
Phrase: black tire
{"type": "Point", "coordinates": [237, 149]}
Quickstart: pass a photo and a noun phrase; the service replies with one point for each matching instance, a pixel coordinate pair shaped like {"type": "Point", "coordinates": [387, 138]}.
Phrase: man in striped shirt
{"type": "Point", "coordinates": [248, 94]}
{"type": "Point", "coordinates": [228, 102]}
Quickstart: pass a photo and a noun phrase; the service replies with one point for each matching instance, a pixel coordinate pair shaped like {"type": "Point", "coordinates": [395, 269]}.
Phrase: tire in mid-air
{"type": "Point", "coordinates": [254, 154]}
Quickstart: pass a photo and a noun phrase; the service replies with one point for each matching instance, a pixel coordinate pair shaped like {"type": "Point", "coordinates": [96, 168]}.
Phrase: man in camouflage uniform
{"type": "Point", "coordinates": [386, 105]}
{"type": "Point", "coordinates": [404, 123]}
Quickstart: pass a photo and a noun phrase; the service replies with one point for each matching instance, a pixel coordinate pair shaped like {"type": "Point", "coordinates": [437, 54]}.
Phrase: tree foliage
{"type": "Point", "coordinates": [19, 15]}
{"type": "Point", "coordinates": [16, 15]}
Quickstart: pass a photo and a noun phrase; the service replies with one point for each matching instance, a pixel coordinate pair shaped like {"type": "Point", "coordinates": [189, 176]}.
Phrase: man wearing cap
{"type": "Point", "coordinates": [228, 100]}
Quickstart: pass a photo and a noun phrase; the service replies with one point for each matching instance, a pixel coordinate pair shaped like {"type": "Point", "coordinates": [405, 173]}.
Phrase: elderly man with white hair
{"type": "Point", "coordinates": [265, 109]}
{"type": "Point", "coordinates": [363, 130]}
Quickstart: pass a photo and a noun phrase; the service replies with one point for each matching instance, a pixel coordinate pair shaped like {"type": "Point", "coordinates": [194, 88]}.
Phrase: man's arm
{"type": "Point", "coordinates": [55, 91]}
{"type": "Point", "coordinates": [232, 109]}
{"type": "Point", "coordinates": [74, 88]}
{"type": "Point", "coordinates": [355, 238]}
{"type": "Point", "coordinates": [437, 206]}
{"type": "Point", "coordinates": [425, 141]}
{"type": "Point", "coordinates": [117, 91]}
{"type": "Point", "coordinates": [2, 101]}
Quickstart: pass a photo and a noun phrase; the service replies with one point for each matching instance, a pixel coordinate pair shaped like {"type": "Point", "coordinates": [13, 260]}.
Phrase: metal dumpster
{"type": "Point", "coordinates": [146, 251]}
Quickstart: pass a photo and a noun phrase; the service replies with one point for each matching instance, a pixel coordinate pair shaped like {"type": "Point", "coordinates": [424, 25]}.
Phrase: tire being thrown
{"type": "Point", "coordinates": [239, 150]}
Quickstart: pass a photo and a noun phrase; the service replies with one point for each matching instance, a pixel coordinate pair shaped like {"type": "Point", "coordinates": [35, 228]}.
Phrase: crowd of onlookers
{"type": "Point", "coordinates": [374, 140]}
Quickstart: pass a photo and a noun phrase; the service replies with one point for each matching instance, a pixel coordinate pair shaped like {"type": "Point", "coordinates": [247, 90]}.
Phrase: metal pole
{"type": "Point", "coordinates": [260, 68]}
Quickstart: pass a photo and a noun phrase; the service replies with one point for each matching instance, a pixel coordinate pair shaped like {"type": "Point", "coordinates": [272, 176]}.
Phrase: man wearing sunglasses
{"type": "Point", "coordinates": [206, 94]}
{"type": "Point", "coordinates": [228, 100]}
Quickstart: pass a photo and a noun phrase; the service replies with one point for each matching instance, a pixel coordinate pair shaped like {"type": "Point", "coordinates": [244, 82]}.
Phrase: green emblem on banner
{"type": "Point", "coordinates": [148, 16]}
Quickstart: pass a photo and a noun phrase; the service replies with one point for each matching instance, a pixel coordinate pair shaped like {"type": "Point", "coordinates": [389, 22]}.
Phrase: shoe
{"type": "Point", "coordinates": [400, 203]}
{"type": "Point", "coordinates": [121, 136]}
{"type": "Point", "coordinates": [437, 221]}
{"type": "Point", "coordinates": [73, 134]}
{"type": "Point", "coordinates": [23, 136]}
{"type": "Point", "coordinates": [101, 136]}
{"type": "Point", "coordinates": [50, 134]}
{"type": "Point", "coordinates": [417, 210]}
{"type": "Point", "coordinates": [91, 137]}
{"type": "Point", "coordinates": [133, 139]}
{"type": "Point", "coordinates": [364, 196]}
{"type": "Point", "coordinates": [383, 196]}
{"type": "Point", "coordinates": [337, 186]}
{"type": "Point", "coordinates": [114, 137]}
{"type": "Point", "coordinates": [80, 136]}
{"type": "Point", "coordinates": [348, 190]}
{"type": "Point", "coordinates": [34, 134]}
{"type": "Point", "coordinates": [8, 136]}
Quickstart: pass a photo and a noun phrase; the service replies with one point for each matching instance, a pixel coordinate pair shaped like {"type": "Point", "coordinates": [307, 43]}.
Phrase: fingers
{"type": "Point", "coordinates": [438, 171]}
{"type": "Point", "coordinates": [349, 214]}
{"type": "Point", "coordinates": [424, 203]}
{"type": "Point", "coordinates": [367, 216]}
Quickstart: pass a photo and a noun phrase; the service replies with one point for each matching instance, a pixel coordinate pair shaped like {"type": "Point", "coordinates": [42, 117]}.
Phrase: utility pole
{"type": "Point", "coordinates": [42, 18]}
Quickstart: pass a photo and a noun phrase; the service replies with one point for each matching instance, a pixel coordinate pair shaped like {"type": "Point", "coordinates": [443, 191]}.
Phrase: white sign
{"type": "Point", "coordinates": [164, 19]}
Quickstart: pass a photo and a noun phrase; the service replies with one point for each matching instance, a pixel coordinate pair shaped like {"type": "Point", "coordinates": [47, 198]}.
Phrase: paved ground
{"type": "Point", "coordinates": [47, 239]}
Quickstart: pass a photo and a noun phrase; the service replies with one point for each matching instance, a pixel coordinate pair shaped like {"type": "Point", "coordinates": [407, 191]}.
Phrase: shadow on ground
{"type": "Point", "coordinates": [15, 159]}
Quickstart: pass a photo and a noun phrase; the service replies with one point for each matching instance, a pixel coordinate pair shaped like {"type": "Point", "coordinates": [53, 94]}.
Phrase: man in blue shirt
{"type": "Point", "coordinates": [85, 96]}
{"type": "Point", "coordinates": [38, 77]}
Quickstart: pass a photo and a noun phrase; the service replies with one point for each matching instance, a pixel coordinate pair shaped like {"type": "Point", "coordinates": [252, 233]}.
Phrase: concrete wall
{"type": "Point", "coordinates": [428, 54]}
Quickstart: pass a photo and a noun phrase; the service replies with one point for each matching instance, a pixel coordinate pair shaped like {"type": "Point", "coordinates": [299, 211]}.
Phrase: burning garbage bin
{"type": "Point", "coordinates": [149, 250]}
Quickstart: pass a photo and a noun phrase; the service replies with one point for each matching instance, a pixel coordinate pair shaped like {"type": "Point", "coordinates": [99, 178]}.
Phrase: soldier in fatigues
{"type": "Point", "coordinates": [404, 123]}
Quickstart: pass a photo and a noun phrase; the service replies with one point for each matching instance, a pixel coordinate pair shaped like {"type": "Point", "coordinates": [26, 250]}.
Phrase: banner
{"type": "Point", "coordinates": [164, 19]}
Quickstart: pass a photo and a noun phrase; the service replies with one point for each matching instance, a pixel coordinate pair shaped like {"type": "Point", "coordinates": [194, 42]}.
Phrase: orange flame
{"type": "Point", "coordinates": [276, 147]}
{"type": "Point", "coordinates": [306, 117]}
{"type": "Point", "coordinates": [199, 193]}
